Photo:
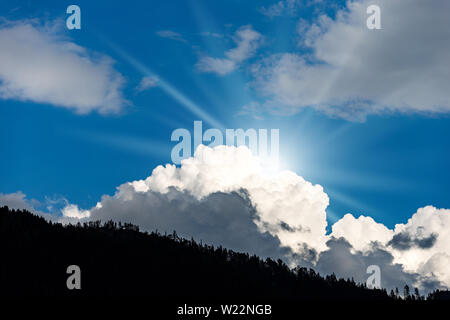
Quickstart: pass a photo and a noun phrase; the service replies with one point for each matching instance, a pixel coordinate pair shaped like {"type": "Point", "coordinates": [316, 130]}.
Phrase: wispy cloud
{"type": "Point", "coordinates": [172, 35]}
{"type": "Point", "coordinates": [252, 109]}
{"type": "Point", "coordinates": [247, 42]}
{"type": "Point", "coordinates": [147, 83]}
{"type": "Point", "coordinates": [212, 34]}
{"type": "Point", "coordinates": [283, 7]}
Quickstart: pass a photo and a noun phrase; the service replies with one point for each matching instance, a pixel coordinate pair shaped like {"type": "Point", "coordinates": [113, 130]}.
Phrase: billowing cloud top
{"type": "Point", "coordinates": [287, 206]}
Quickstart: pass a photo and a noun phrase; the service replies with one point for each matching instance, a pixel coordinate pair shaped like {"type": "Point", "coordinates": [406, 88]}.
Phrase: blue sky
{"type": "Point", "coordinates": [385, 166]}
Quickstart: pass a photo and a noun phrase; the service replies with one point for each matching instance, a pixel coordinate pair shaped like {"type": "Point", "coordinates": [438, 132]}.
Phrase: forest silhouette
{"type": "Point", "coordinates": [117, 259]}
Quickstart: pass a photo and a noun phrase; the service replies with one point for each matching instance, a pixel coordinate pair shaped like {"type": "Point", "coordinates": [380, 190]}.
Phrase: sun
{"type": "Point", "coordinates": [273, 165]}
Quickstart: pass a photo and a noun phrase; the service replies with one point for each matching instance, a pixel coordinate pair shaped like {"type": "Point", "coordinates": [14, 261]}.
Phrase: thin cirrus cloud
{"type": "Point", "coordinates": [349, 71]}
{"type": "Point", "coordinates": [172, 35]}
{"type": "Point", "coordinates": [146, 83]}
{"type": "Point", "coordinates": [247, 42]}
{"type": "Point", "coordinates": [211, 34]}
{"type": "Point", "coordinates": [282, 7]}
{"type": "Point", "coordinates": [38, 64]}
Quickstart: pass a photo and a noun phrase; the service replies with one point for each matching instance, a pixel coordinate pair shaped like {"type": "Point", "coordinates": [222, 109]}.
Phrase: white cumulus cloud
{"type": "Point", "coordinates": [423, 243]}
{"type": "Point", "coordinates": [38, 64]}
{"type": "Point", "coordinates": [421, 246]}
{"type": "Point", "coordinates": [349, 71]}
{"type": "Point", "coordinates": [287, 206]}
{"type": "Point", "coordinates": [361, 232]}
{"type": "Point", "coordinates": [72, 211]}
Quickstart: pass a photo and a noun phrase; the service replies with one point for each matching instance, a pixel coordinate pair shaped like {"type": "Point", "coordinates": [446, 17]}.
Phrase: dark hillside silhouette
{"type": "Point", "coordinates": [119, 260]}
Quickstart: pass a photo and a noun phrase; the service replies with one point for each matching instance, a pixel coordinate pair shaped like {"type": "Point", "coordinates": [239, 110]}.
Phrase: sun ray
{"type": "Point", "coordinates": [166, 86]}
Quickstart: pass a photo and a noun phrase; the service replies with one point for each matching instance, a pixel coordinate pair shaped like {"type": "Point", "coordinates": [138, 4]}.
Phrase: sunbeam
{"type": "Point", "coordinates": [351, 203]}
{"type": "Point", "coordinates": [167, 87]}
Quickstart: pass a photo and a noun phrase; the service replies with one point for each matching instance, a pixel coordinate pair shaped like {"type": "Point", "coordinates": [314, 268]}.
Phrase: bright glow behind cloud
{"type": "Point", "coordinates": [283, 197]}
